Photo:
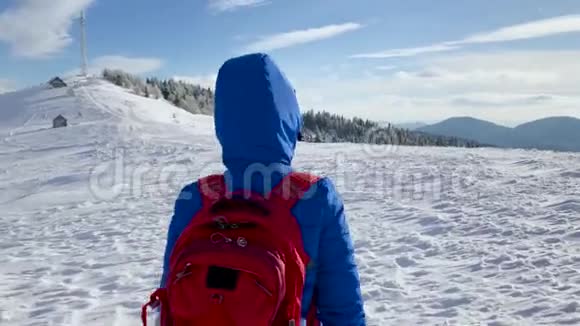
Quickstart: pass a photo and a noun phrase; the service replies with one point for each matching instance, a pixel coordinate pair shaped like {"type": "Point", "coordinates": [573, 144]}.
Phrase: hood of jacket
{"type": "Point", "coordinates": [257, 116]}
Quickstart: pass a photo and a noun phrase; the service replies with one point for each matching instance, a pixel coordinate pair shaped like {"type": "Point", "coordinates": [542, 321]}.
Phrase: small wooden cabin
{"type": "Point", "coordinates": [57, 82]}
{"type": "Point", "coordinates": [59, 122]}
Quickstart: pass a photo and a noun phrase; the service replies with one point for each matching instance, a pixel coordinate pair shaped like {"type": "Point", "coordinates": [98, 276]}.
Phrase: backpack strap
{"type": "Point", "coordinates": [212, 188]}
{"type": "Point", "coordinates": [157, 300]}
{"type": "Point", "coordinates": [294, 187]}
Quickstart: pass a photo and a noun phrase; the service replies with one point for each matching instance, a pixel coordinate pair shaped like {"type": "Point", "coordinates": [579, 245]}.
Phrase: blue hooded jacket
{"type": "Point", "coordinates": [257, 121]}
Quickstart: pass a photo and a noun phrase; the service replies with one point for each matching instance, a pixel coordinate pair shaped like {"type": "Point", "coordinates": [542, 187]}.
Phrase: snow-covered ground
{"type": "Point", "coordinates": [443, 236]}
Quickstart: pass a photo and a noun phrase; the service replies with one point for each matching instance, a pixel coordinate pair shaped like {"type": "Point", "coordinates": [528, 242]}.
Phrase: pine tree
{"type": "Point", "coordinates": [192, 98]}
{"type": "Point", "coordinates": [323, 126]}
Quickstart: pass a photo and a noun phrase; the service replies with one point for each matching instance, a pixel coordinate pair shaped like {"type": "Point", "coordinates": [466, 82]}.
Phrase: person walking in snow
{"type": "Point", "coordinates": [261, 244]}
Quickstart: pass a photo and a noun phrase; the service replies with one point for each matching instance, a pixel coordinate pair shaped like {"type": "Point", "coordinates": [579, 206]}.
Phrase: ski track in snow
{"type": "Point", "coordinates": [443, 236]}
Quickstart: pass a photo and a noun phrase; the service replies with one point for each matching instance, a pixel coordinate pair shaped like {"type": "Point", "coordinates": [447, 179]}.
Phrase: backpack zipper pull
{"type": "Point", "coordinates": [218, 237]}
{"type": "Point", "coordinates": [186, 271]}
{"type": "Point", "coordinates": [242, 242]}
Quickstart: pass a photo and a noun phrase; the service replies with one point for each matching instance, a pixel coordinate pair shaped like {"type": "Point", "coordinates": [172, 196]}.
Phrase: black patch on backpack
{"type": "Point", "coordinates": [222, 278]}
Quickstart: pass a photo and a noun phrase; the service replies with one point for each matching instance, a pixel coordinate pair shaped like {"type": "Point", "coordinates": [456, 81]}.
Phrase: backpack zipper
{"type": "Point", "coordinates": [185, 272]}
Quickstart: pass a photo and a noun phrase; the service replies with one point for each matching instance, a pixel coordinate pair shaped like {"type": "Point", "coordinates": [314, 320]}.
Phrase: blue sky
{"type": "Point", "coordinates": [504, 60]}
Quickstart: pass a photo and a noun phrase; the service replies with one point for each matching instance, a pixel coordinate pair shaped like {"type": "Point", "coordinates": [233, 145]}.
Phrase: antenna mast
{"type": "Point", "coordinates": [84, 69]}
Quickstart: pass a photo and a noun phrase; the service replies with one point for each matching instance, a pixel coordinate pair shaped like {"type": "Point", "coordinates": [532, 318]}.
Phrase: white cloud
{"type": "Point", "coordinates": [39, 28]}
{"type": "Point", "coordinates": [508, 86]}
{"type": "Point", "coordinates": [386, 67]}
{"type": "Point", "coordinates": [512, 72]}
{"type": "Point", "coordinates": [230, 5]}
{"type": "Point", "coordinates": [6, 86]}
{"type": "Point", "coordinates": [133, 65]}
{"type": "Point", "coordinates": [534, 29]}
{"type": "Point", "coordinates": [207, 81]}
{"type": "Point", "coordinates": [530, 30]}
{"type": "Point", "coordinates": [407, 52]}
{"type": "Point", "coordinates": [298, 37]}
{"type": "Point", "coordinates": [484, 100]}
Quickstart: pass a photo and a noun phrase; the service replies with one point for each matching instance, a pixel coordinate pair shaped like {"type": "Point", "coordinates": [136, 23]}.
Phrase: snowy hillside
{"type": "Point", "coordinates": [444, 236]}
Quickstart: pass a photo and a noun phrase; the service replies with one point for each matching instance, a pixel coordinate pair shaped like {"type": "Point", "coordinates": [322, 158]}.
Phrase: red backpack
{"type": "Point", "coordinates": [240, 261]}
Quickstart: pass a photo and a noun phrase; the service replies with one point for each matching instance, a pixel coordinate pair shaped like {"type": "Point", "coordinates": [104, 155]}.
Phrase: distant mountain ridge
{"type": "Point", "coordinates": [411, 125]}
{"type": "Point", "coordinates": [554, 133]}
